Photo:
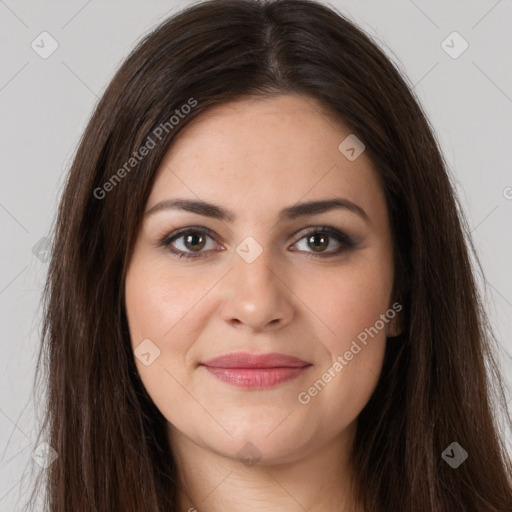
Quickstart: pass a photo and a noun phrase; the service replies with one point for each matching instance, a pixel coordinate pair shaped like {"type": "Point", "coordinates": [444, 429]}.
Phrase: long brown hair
{"type": "Point", "coordinates": [440, 382]}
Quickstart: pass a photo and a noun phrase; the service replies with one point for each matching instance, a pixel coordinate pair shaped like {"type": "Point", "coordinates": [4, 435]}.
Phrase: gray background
{"type": "Point", "coordinates": [45, 104]}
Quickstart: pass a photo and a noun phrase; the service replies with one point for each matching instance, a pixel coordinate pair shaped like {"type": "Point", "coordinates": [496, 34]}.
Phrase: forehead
{"type": "Point", "coordinates": [259, 153]}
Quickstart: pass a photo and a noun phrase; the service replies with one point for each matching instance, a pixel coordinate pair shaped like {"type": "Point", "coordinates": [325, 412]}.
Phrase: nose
{"type": "Point", "coordinates": [258, 295]}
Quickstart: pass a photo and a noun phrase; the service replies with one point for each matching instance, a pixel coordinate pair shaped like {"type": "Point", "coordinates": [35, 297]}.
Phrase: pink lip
{"type": "Point", "coordinates": [255, 371]}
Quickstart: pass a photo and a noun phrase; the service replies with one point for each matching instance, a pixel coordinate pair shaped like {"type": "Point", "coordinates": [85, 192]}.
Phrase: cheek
{"type": "Point", "coordinates": [351, 304]}
{"type": "Point", "coordinates": [350, 299]}
{"type": "Point", "coordinates": [159, 303]}
{"type": "Point", "coordinates": [160, 308]}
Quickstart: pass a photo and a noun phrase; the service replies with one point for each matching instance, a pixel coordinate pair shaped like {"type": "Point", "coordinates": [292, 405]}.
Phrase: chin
{"type": "Point", "coordinates": [254, 445]}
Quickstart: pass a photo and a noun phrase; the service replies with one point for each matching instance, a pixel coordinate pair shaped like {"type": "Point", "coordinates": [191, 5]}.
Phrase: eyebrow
{"type": "Point", "coordinates": [291, 212]}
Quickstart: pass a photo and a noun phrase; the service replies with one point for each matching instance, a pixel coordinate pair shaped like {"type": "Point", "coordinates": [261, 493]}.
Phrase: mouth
{"type": "Point", "coordinates": [255, 371]}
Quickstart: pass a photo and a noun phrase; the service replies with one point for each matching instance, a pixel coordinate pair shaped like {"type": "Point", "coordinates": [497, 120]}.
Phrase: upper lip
{"type": "Point", "coordinates": [248, 360]}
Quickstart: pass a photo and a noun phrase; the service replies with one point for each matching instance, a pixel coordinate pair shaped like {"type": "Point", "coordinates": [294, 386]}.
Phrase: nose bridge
{"type": "Point", "coordinates": [255, 269]}
{"type": "Point", "coordinates": [257, 293]}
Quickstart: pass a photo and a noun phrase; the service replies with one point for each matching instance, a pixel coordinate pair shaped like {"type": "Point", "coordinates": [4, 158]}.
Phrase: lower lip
{"type": "Point", "coordinates": [256, 378]}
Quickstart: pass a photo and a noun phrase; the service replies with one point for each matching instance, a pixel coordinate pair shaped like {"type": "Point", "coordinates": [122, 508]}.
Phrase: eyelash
{"type": "Point", "coordinates": [345, 241]}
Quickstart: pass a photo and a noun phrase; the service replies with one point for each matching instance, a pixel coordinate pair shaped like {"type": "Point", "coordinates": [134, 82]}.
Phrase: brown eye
{"type": "Point", "coordinates": [318, 242]}
{"type": "Point", "coordinates": [194, 242]}
{"type": "Point", "coordinates": [188, 243]}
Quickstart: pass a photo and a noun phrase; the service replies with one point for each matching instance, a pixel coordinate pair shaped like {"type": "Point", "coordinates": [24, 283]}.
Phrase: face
{"type": "Point", "coordinates": [257, 273]}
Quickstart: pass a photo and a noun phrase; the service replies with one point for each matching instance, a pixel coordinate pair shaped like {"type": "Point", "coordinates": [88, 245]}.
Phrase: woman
{"type": "Point", "coordinates": [260, 294]}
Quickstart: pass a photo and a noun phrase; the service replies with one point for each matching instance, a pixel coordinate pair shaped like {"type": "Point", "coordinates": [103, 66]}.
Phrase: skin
{"type": "Point", "coordinates": [255, 157]}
